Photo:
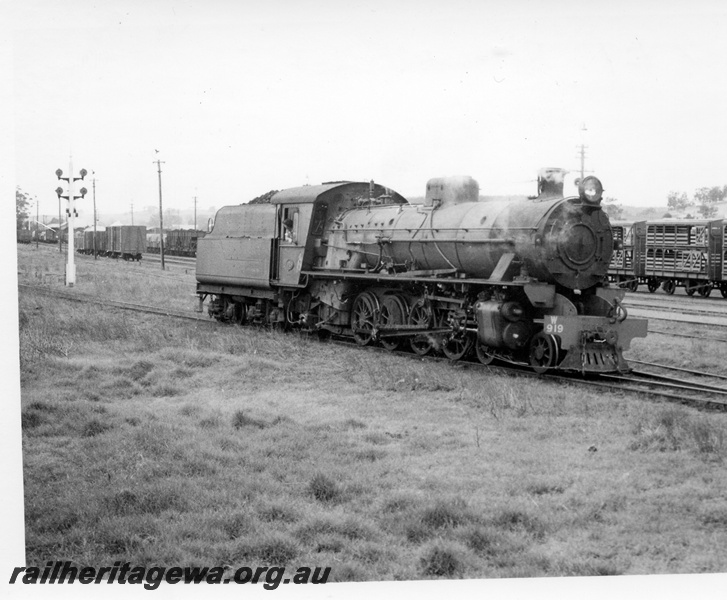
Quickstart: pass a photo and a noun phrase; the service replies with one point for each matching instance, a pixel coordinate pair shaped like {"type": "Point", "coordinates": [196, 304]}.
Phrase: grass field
{"type": "Point", "coordinates": [161, 442]}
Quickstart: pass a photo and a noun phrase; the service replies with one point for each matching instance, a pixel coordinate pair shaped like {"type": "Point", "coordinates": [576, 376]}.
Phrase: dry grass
{"type": "Point", "coordinates": [699, 354]}
{"type": "Point", "coordinates": [159, 442]}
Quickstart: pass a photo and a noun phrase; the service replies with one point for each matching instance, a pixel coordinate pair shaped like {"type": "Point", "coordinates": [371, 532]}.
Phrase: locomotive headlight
{"type": "Point", "coordinates": [590, 190]}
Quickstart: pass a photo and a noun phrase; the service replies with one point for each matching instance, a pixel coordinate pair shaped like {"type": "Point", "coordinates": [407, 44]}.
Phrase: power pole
{"type": "Point", "coordinates": [582, 154]}
{"type": "Point", "coordinates": [95, 254]}
{"type": "Point", "coordinates": [37, 216]}
{"type": "Point", "coordinates": [60, 239]}
{"type": "Point", "coordinates": [161, 219]}
{"type": "Point", "coordinates": [195, 213]}
{"type": "Point", "coordinates": [132, 213]}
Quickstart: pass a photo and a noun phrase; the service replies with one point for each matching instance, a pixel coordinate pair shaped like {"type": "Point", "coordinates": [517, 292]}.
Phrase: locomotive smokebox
{"type": "Point", "coordinates": [550, 182]}
{"type": "Point", "coordinates": [448, 191]}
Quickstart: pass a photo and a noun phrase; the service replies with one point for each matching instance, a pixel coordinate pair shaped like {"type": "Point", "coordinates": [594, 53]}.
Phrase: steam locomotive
{"type": "Point", "coordinates": [519, 280]}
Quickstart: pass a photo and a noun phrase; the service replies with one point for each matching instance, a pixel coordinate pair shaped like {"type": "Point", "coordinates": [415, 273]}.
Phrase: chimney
{"type": "Point", "coordinates": [550, 182]}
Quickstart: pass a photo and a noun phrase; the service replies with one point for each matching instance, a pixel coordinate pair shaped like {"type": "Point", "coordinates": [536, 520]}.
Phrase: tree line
{"type": "Point", "coordinates": [22, 207]}
{"type": "Point", "coordinates": [704, 200]}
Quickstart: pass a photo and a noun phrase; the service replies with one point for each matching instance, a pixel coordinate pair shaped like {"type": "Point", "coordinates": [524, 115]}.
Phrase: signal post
{"type": "Point", "coordinates": [72, 214]}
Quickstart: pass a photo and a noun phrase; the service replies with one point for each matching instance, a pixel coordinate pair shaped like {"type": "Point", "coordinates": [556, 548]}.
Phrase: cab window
{"type": "Point", "coordinates": [289, 228]}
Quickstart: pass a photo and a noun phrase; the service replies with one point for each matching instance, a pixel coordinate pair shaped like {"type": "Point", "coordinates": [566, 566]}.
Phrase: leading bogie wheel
{"type": "Point", "coordinates": [484, 353]}
{"type": "Point", "coordinates": [543, 352]}
{"type": "Point", "coordinates": [458, 346]}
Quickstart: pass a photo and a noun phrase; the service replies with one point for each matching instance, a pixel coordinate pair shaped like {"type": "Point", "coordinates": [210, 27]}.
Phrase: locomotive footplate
{"type": "Point", "coordinates": [405, 277]}
{"type": "Point", "coordinates": [388, 331]}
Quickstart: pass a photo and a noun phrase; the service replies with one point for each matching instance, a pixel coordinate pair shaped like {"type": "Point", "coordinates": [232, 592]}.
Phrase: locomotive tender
{"type": "Point", "coordinates": [519, 280]}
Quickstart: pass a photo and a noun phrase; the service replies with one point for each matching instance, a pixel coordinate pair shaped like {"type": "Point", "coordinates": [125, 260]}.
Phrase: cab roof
{"type": "Point", "coordinates": [311, 193]}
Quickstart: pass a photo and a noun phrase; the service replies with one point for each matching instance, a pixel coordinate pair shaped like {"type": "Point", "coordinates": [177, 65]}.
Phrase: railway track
{"type": "Point", "coordinates": [141, 269]}
{"type": "Point", "coordinates": [644, 383]}
{"type": "Point", "coordinates": [702, 395]}
{"type": "Point", "coordinates": [678, 295]}
{"type": "Point", "coordinates": [714, 319]}
{"type": "Point", "coordinates": [188, 261]}
{"type": "Point", "coordinates": [683, 308]}
{"type": "Point", "coordinates": [688, 336]}
{"type": "Point", "coordinates": [651, 385]}
{"type": "Point", "coordinates": [90, 299]}
{"type": "Point", "coordinates": [664, 386]}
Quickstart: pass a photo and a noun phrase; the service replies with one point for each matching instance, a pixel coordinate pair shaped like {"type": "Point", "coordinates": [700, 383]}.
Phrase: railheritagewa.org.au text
{"type": "Point", "coordinates": [58, 572]}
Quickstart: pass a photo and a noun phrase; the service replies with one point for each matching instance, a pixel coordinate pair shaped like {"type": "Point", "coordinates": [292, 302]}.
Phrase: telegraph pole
{"type": "Point", "coordinates": [195, 213]}
{"type": "Point", "coordinates": [37, 216]}
{"type": "Point", "coordinates": [132, 213]}
{"type": "Point", "coordinates": [60, 239]}
{"type": "Point", "coordinates": [72, 214]}
{"type": "Point", "coordinates": [95, 256]}
{"type": "Point", "coordinates": [582, 154]}
{"type": "Point", "coordinates": [161, 219]}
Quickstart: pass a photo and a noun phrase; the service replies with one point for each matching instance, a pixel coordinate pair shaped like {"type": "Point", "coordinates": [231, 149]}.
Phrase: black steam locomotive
{"type": "Point", "coordinates": [519, 280]}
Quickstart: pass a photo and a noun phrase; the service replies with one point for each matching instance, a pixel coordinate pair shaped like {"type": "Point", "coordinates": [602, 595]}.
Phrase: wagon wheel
{"type": "Point", "coordinates": [669, 286]}
{"type": "Point", "coordinates": [543, 352]}
{"type": "Point", "coordinates": [363, 317]}
{"type": "Point", "coordinates": [723, 289]}
{"type": "Point", "coordinates": [241, 314]}
{"type": "Point", "coordinates": [393, 312]}
{"type": "Point", "coordinates": [233, 312]}
{"type": "Point", "coordinates": [705, 290]}
{"type": "Point", "coordinates": [421, 316]}
{"type": "Point", "coordinates": [690, 289]}
{"type": "Point", "coordinates": [484, 353]}
{"type": "Point", "coordinates": [634, 285]}
{"type": "Point", "coordinates": [653, 285]}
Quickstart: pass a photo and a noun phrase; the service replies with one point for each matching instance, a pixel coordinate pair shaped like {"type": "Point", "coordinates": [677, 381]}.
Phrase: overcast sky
{"type": "Point", "coordinates": [243, 97]}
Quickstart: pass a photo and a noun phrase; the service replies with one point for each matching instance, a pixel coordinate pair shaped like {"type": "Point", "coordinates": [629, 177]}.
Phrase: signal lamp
{"type": "Point", "coordinates": [83, 173]}
{"type": "Point", "coordinates": [59, 190]}
{"type": "Point", "coordinates": [59, 173]}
